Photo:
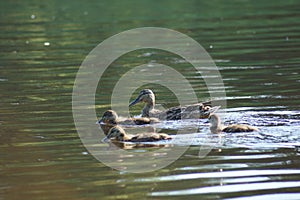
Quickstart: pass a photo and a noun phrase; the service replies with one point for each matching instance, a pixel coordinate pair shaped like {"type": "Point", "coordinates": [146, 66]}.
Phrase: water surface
{"type": "Point", "coordinates": [255, 46]}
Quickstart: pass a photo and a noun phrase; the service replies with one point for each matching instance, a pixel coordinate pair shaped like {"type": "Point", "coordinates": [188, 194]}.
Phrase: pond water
{"type": "Point", "coordinates": [256, 46]}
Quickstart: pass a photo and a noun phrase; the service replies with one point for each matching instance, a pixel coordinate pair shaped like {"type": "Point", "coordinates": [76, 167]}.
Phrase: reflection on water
{"type": "Point", "coordinates": [256, 47]}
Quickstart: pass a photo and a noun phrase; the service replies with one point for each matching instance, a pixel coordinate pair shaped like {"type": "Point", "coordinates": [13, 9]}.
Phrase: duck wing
{"type": "Point", "coordinates": [194, 111]}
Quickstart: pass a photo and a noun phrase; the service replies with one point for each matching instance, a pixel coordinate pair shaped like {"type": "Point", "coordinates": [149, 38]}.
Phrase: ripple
{"type": "Point", "coordinates": [290, 196]}
{"type": "Point", "coordinates": [230, 188]}
{"type": "Point", "coordinates": [226, 174]}
{"type": "Point", "coordinates": [277, 129]}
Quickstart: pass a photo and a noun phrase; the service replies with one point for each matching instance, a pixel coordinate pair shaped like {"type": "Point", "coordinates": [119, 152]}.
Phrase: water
{"type": "Point", "coordinates": [256, 47]}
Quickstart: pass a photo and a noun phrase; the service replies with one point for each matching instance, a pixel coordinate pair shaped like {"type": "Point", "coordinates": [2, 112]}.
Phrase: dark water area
{"type": "Point", "coordinates": [256, 47]}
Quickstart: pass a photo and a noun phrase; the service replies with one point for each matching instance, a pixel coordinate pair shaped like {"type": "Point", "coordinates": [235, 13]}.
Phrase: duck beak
{"type": "Point", "coordinates": [99, 121]}
{"type": "Point", "coordinates": [135, 101]}
{"type": "Point", "coordinates": [214, 109]}
{"type": "Point", "coordinates": [108, 136]}
{"type": "Point", "coordinates": [104, 140]}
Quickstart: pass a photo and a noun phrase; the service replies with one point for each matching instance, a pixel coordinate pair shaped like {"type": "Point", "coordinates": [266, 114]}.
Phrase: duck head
{"type": "Point", "coordinates": [207, 111]}
{"type": "Point", "coordinates": [146, 96]}
{"type": "Point", "coordinates": [118, 133]}
{"type": "Point", "coordinates": [109, 117]}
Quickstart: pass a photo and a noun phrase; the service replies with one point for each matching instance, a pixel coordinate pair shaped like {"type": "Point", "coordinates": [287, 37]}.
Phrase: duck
{"type": "Point", "coordinates": [198, 110]}
{"type": "Point", "coordinates": [110, 117]}
{"type": "Point", "coordinates": [217, 127]}
{"type": "Point", "coordinates": [118, 133]}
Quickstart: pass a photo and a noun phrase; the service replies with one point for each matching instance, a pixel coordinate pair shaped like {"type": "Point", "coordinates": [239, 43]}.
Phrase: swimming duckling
{"type": "Point", "coordinates": [217, 127]}
{"type": "Point", "coordinates": [198, 110]}
{"type": "Point", "coordinates": [111, 117]}
{"type": "Point", "coordinates": [119, 134]}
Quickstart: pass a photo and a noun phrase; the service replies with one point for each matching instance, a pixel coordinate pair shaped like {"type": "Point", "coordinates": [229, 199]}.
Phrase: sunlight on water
{"type": "Point", "coordinates": [276, 129]}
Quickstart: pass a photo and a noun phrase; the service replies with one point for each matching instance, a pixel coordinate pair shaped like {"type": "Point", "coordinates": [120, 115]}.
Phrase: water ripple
{"type": "Point", "coordinates": [226, 174]}
{"type": "Point", "coordinates": [230, 188]}
{"type": "Point", "coordinates": [290, 196]}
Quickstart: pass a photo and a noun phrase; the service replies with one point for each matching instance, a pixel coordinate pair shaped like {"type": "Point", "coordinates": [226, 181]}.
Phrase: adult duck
{"type": "Point", "coordinates": [198, 110]}
{"type": "Point", "coordinates": [217, 127]}
{"type": "Point", "coordinates": [118, 133]}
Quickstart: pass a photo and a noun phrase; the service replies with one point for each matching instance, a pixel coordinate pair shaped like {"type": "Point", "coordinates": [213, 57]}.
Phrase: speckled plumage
{"type": "Point", "coordinates": [119, 134]}
{"type": "Point", "coordinates": [111, 117]}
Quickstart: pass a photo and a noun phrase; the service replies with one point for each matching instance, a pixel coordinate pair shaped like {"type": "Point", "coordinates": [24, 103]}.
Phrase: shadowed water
{"type": "Point", "coordinates": [256, 47]}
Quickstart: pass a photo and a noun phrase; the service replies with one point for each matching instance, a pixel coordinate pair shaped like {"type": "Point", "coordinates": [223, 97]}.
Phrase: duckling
{"type": "Point", "coordinates": [198, 110]}
{"type": "Point", "coordinates": [217, 127]}
{"type": "Point", "coordinates": [118, 133]}
{"type": "Point", "coordinates": [111, 117]}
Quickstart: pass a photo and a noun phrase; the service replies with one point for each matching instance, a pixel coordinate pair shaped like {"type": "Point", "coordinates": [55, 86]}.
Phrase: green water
{"type": "Point", "coordinates": [255, 44]}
